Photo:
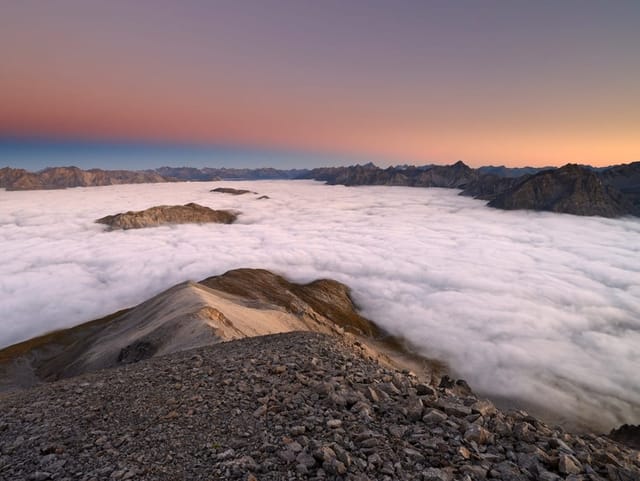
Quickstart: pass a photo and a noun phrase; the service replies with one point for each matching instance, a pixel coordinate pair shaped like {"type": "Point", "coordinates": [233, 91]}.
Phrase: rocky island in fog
{"type": "Point", "coordinates": [168, 214]}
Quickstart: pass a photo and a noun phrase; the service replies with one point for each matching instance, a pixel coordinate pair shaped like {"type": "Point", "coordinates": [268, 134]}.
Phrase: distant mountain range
{"type": "Point", "coordinates": [208, 173]}
{"type": "Point", "coordinates": [574, 189]}
{"type": "Point", "coordinates": [63, 177]}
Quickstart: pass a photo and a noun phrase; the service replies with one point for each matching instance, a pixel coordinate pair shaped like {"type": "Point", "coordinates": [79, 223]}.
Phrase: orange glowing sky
{"type": "Point", "coordinates": [544, 83]}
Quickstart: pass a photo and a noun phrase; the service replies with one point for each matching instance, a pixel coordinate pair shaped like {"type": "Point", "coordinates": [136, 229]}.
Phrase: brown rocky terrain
{"type": "Point", "coordinates": [175, 214]}
{"type": "Point", "coordinates": [63, 177]}
{"type": "Point", "coordinates": [294, 406]}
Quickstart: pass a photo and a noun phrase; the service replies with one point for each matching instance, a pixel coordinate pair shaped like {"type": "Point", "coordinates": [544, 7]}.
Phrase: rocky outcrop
{"type": "Point", "coordinates": [231, 191]}
{"type": "Point", "coordinates": [288, 406]}
{"type": "Point", "coordinates": [164, 214]}
{"type": "Point", "coordinates": [572, 189]}
{"type": "Point", "coordinates": [240, 303]}
{"type": "Point", "coordinates": [63, 177]}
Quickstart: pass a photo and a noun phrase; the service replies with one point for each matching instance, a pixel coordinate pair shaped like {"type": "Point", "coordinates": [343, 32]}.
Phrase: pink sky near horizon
{"type": "Point", "coordinates": [490, 83]}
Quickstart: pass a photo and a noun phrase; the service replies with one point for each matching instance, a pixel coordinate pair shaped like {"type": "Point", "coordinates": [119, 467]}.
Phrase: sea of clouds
{"type": "Point", "coordinates": [535, 307]}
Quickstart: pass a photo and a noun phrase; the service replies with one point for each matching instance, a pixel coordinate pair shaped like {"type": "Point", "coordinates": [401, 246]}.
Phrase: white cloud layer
{"type": "Point", "coordinates": [535, 306]}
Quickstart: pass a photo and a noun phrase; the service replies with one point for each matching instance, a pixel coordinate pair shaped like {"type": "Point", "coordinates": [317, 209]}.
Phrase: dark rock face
{"type": "Point", "coordinates": [161, 215]}
{"type": "Point", "coordinates": [627, 434]}
{"type": "Point", "coordinates": [63, 177]}
{"type": "Point", "coordinates": [572, 189]}
{"type": "Point", "coordinates": [136, 352]}
{"type": "Point", "coordinates": [229, 190]}
{"type": "Point", "coordinates": [625, 179]}
{"type": "Point", "coordinates": [295, 406]}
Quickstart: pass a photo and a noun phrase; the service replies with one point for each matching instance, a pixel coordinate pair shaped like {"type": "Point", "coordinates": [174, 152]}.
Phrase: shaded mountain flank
{"type": "Point", "coordinates": [164, 214]}
{"type": "Point", "coordinates": [241, 303]}
{"type": "Point", "coordinates": [571, 189]}
{"type": "Point", "coordinates": [63, 177]}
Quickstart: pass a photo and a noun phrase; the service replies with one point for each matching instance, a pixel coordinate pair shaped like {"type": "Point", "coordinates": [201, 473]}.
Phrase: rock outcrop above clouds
{"type": "Point", "coordinates": [63, 177]}
{"type": "Point", "coordinates": [572, 189]}
{"type": "Point", "coordinates": [175, 214]}
{"type": "Point", "coordinates": [287, 406]}
{"type": "Point", "coordinates": [232, 191]}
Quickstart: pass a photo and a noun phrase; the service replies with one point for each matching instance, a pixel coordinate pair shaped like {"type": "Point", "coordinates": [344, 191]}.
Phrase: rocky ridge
{"type": "Point", "coordinates": [240, 303]}
{"type": "Point", "coordinates": [284, 407]}
{"type": "Point", "coordinates": [175, 214]}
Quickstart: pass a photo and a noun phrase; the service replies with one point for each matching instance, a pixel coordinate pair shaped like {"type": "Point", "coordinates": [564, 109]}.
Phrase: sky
{"type": "Point", "coordinates": [533, 306]}
{"type": "Point", "coordinates": [515, 83]}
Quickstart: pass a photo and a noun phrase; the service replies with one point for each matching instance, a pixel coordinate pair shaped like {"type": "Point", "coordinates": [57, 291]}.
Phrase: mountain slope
{"type": "Point", "coordinates": [571, 189]}
{"type": "Point", "coordinates": [240, 303]}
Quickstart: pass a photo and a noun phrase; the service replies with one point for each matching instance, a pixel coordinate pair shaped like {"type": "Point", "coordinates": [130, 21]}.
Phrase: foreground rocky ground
{"type": "Point", "coordinates": [283, 407]}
